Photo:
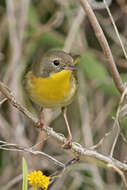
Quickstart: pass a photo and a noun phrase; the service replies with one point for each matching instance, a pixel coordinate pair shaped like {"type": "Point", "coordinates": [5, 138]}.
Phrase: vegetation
{"type": "Point", "coordinates": [97, 115]}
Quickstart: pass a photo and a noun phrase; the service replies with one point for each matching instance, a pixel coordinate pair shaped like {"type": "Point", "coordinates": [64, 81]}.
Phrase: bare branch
{"type": "Point", "coordinates": [104, 44]}
{"type": "Point", "coordinates": [74, 30]}
{"type": "Point", "coordinates": [99, 5]}
{"type": "Point", "coordinates": [2, 101]}
{"type": "Point", "coordinates": [101, 140]}
{"type": "Point", "coordinates": [14, 147]}
{"type": "Point", "coordinates": [87, 129]}
{"type": "Point", "coordinates": [9, 95]}
{"type": "Point", "coordinates": [120, 173]}
{"type": "Point", "coordinates": [116, 124]}
{"type": "Point", "coordinates": [85, 154]}
{"type": "Point", "coordinates": [115, 28]}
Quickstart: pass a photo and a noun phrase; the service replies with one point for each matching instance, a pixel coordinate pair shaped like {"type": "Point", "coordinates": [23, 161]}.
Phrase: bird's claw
{"type": "Point", "coordinates": [67, 144]}
{"type": "Point", "coordinates": [39, 125]}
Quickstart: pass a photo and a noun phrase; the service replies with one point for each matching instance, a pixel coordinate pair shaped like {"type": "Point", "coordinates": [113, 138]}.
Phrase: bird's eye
{"type": "Point", "coordinates": [56, 62]}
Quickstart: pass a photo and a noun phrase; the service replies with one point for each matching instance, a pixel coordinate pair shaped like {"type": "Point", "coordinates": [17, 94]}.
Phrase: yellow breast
{"type": "Point", "coordinates": [54, 91]}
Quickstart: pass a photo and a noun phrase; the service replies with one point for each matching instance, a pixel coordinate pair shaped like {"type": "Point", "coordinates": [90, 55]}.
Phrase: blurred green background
{"type": "Point", "coordinates": [27, 30]}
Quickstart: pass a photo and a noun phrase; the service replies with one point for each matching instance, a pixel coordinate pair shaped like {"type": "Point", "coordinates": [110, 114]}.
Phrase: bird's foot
{"type": "Point", "coordinates": [39, 125]}
{"type": "Point", "coordinates": [67, 144]}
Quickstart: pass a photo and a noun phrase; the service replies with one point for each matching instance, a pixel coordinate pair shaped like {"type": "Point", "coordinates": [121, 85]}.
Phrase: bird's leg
{"type": "Point", "coordinates": [40, 122]}
{"type": "Point", "coordinates": [67, 144]}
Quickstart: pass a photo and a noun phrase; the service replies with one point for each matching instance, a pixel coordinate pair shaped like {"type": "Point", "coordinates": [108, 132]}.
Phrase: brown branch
{"type": "Point", "coordinates": [85, 154]}
{"type": "Point", "coordinates": [104, 44]}
{"type": "Point", "coordinates": [9, 95]}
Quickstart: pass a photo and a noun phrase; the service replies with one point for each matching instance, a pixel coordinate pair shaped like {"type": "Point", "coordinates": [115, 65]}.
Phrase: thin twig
{"type": "Point", "coordinates": [9, 95]}
{"type": "Point", "coordinates": [14, 41]}
{"type": "Point", "coordinates": [124, 138]}
{"type": "Point", "coordinates": [98, 5]}
{"type": "Point", "coordinates": [87, 130]}
{"type": "Point", "coordinates": [14, 147]}
{"type": "Point", "coordinates": [62, 170]}
{"type": "Point", "coordinates": [110, 31]}
{"type": "Point", "coordinates": [115, 28]}
{"type": "Point", "coordinates": [2, 101]}
{"type": "Point", "coordinates": [116, 122]}
{"type": "Point", "coordinates": [101, 140]}
{"type": "Point", "coordinates": [104, 44]}
{"type": "Point", "coordinates": [121, 173]}
{"type": "Point", "coordinates": [74, 30]}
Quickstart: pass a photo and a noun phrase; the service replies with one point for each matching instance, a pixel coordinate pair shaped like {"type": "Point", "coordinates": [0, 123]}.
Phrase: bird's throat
{"type": "Point", "coordinates": [52, 90]}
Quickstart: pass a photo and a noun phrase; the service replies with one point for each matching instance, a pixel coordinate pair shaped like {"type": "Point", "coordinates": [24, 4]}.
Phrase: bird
{"type": "Point", "coordinates": [52, 83]}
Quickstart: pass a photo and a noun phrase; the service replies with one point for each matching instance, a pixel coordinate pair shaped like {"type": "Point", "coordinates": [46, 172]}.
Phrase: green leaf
{"type": "Point", "coordinates": [25, 171]}
{"type": "Point", "coordinates": [124, 77]}
{"type": "Point", "coordinates": [93, 68]}
{"type": "Point", "coordinates": [32, 15]}
{"type": "Point", "coordinates": [109, 88]}
{"type": "Point", "coordinates": [51, 40]}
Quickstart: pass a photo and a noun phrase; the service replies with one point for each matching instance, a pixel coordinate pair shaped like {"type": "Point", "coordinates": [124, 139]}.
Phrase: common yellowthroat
{"type": "Point", "coordinates": [51, 83]}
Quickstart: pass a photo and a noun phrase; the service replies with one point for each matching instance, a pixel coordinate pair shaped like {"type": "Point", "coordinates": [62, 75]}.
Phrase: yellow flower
{"type": "Point", "coordinates": [37, 179]}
